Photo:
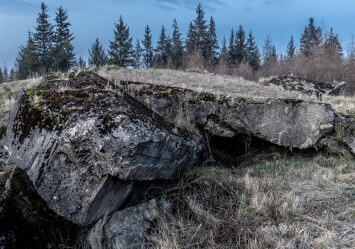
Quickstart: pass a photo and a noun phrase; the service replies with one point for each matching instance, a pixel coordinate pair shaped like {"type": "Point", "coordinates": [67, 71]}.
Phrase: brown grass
{"type": "Point", "coordinates": [283, 203]}
{"type": "Point", "coordinates": [221, 85]}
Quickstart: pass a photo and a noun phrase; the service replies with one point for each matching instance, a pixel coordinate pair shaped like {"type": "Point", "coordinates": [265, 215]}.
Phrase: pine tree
{"type": "Point", "coordinates": [43, 39]}
{"type": "Point", "coordinates": [197, 36]}
{"type": "Point", "coordinates": [63, 50]}
{"type": "Point", "coordinates": [27, 61]}
{"type": "Point", "coordinates": [332, 45]}
{"type": "Point", "coordinates": [291, 49]}
{"type": "Point", "coordinates": [310, 38]}
{"type": "Point", "coordinates": [5, 75]}
{"type": "Point", "coordinates": [201, 29]}
{"type": "Point", "coordinates": [97, 55]}
{"type": "Point", "coordinates": [252, 53]}
{"type": "Point", "coordinates": [191, 41]}
{"type": "Point", "coordinates": [177, 49]}
{"type": "Point", "coordinates": [147, 48]}
{"type": "Point", "coordinates": [212, 43]}
{"type": "Point", "coordinates": [81, 64]}
{"type": "Point", "coordinates": [161, 56]}
{"type": "Point", "coordinates": [240, 45]}
{"type": "Point", "coordinates": [121, 48]}
{"type": "Point", "coordinates": [232, 49]}
{"type": "Point", "coordinates": [12, 76]}
{"type": "Point", "coordinates": [137, 54]}
{"type": "Point", "coordinates": [268, 50]}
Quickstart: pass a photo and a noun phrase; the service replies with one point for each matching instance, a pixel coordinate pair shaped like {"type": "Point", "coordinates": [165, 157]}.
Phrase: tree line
{"type": "Point", "coordinates": [319, 55]}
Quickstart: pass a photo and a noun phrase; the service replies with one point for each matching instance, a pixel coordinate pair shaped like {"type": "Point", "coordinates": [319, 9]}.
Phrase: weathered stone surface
{"type": "Point", "coordinates": [83, 146]}
{"type": "Point", "coordinates": [309, 87]}
{"type": "Point", "coordinates": [25, 219]}
{"type": "Point", "coordinates": [334, 147]}
{"type": "Point", "coordinates": [124, 229]}
{"type": "Point", "coordinates": [4, 157]}
{"type": "Point", "coordinates": [291, 123]}
{"type": "Point", "coordinates": [344, 132]}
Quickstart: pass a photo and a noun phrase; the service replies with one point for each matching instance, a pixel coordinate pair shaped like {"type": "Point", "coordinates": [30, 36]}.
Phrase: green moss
{"type": "Point", "coordinates": [202, 97]}
{"type": "Point", "coordinates": [222, 156]}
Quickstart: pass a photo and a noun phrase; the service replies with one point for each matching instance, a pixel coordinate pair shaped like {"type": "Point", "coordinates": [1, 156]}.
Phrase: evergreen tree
{"type": "Point", "coordinates": [240, 45]}
{"type": "Point", "coordinates": [5, 75]}
{"type": "Point", "coordinates": [291, 49]}
{"type": "Point", "coordinates": [332, 45]}
{"type": "Point", "coordinates": [63, 50]}
{"type": "Point", "coordinates": [268, 50]}
{"type": "Point", "coordinates": [137, 54]}
{"type": "Point", "coordinates": [12, 76]}
{"type": "Point", "coordinates": [147, 48]}
{"type": "Point", "coordinates": [310, 38]}
{"type": "Point", "coordinates": [1, 76]}
{"type": "Point", "coordinates": [97, 55]}
{"type": "Point", "coordinates": [201, 29]}
{"type": "Point", "coordinates": [212, 43]}
{"type": "Point", "coordinates": [198, 34]}
{"type": "Point", "coordinates": [191, 41]}
{"type": "Point", "coordinates": [27, 61]}
{"type": "Point", "coordinates": [81, 64]}
{"type": "Point", "coordinates": [232, 49]}
{"type": "Point", "coordinates": [161, 56]}
{"type": "Point", "coordinates": [252, 53]}
{"type": "Point", "coordinates": [177, 49]}
{"type": "Point", "coordinates": [121, 48]}
{"type": "Point", "coordinates": [43, 39]}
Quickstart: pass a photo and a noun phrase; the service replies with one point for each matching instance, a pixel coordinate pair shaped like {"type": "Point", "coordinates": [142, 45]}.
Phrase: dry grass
{"type": "Point", "coordinates": [283, 203]}
{"type": "Point", "coordinates": [8, 95]}
{"type": "Point", "coordinates": [201, 82]}
{"type": "Point", "coordinates": [221, 85]}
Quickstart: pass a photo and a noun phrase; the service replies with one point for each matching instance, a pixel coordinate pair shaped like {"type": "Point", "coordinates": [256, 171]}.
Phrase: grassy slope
{"type": "Point", "coordinates": [282, 203]}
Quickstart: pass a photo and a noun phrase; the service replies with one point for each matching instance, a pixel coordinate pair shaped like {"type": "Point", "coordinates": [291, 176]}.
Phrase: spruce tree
{"type": "Point", "coordinates": [232, 49]}
{"type": "Point", "coordinates": [332, 45]}
{"type": "Point", "coordinates": [5, 75]}
{"type": "Point", "coordinates": [310, 38]}
{"type": "Point", "coordinates": [200, 25]}
{"type": "Point", "coordinates": [12, 75]}
{"type": "Point", "coordinates": [81, 64]}
{"type": "Point", "coordinates": [240, 45]}
{"type": "Point", "coordinates": [137, 54]}
{"type": "Point", "coordinates": [191, 41]}
{"type": "Point", "coordinates": [27, 61]}
{"type": "Point", "coordinates": [252, 53]}
{"type": "Point", "coordinates": [43, 38]}
{"type": "Point", "coordinates": [121, 48]}
{"type": "Point", "coordinates": [147, 48]}
{"type": "Point", "coordinates": [212, 43]}
{"type": "Point", "coordinates": [63, 50]}
{"type": "Point", "coordinates": [161, 56]}
{"type": "Point", "coordinates": [291, 49]}
{"type": "Point", "coordinates": [97, 55]}
{"type": "Point", "coordinates": [177, 49]}
{"type": "Point", "coordinates": [268, 50]}
{"type": "Point", "coordinates": [223, 55]}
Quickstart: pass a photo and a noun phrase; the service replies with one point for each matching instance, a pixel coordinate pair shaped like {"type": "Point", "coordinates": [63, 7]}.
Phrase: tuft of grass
{"type": "Point", "coordinates": [295, 202]}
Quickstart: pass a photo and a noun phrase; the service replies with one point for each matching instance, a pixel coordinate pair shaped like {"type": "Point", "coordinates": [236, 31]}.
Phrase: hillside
{"type": "Point", "coordinates": [290, 192]}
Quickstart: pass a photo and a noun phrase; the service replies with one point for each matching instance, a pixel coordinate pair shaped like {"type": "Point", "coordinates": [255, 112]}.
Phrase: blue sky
{"type": "Point", "coordinates": [96, 18]}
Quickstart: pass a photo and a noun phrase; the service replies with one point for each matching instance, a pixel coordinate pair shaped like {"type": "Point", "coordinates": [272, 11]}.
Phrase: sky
{"type": "Point", "coordinates": [95, 18]}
